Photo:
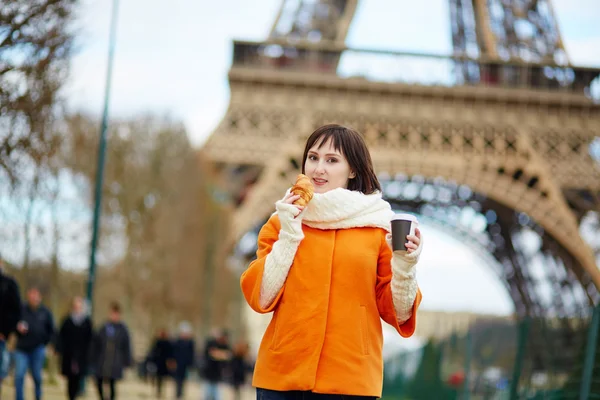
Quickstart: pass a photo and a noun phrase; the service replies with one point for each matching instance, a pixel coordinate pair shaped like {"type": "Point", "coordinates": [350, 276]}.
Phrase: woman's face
{"type": "Point", "coordinates": [327, 168]}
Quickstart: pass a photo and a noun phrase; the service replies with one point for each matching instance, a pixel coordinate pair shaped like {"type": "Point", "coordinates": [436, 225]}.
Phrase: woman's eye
{"type": "Point", "coordinates": [332, 160]}
{"type": "Point", "coordinates": [312, 158]}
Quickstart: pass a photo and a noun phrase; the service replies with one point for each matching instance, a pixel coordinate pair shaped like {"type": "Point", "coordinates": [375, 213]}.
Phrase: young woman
{"type": "Point", "coordinates": [328, 273]}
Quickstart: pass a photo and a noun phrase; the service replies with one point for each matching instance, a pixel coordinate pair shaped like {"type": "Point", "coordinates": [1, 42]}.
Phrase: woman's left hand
{"type": "Point", "coordinates": [413, 241]}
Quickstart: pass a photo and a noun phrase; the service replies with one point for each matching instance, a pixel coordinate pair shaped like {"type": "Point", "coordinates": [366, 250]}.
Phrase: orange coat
{"type": "Point", "coordinates": [325, 335]}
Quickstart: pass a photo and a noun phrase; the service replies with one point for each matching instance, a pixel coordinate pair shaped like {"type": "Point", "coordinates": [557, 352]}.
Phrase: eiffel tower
{"type": "Point", "coordinates": [491, 143]}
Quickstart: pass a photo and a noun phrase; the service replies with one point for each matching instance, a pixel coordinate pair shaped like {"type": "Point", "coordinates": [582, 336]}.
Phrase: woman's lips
{"type": "Point", "coordinates": [319, 182]}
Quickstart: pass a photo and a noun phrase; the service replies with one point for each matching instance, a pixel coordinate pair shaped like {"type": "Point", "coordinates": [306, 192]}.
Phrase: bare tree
{"type": "Point", "coordinates": [35, 45]}
{"type": "Point", "coordinates": [34, 196]}
{"type": "Point", "coordinates": [162, 232]}
{"type": "Point", "coordinates": [156, 207]}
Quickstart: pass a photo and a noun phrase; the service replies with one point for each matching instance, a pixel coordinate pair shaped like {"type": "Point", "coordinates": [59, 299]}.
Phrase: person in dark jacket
{"type": "Point", "coordinates": [160, 354]}
{"type": "Point", "coordinates": [112, 352]}
{"type": "Point", "coordinates": [217, 354]}
{"type": "Point", "coordinates": [10, 304]}
{"type": "Point", "coordinates": [183, 357]}
{"type": "Point", "coordinates": [73, 344]}
{"type": "Point", "coordinates": [240, 366]}
{"type": "Point", "coordinates": [35, 330]}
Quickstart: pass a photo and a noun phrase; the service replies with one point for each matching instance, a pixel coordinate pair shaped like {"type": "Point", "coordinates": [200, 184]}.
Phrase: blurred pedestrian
{"type": "Point", "coordinates": [35, 330]}
{"type": "Point", "coordinates": [10, 304]}
{"type": "Point", "coordinates": [74, 344]}
{"type": "Point", "coordinates": [239, 366]}
{"type": "Point", "coordinates": [183, 357]}
{"type": "Point", "coordinates": [216, 355]}
{"type": "Point", "coordinates": [160, 354]}
{"type": "Point", "coordinates": [111, 352]}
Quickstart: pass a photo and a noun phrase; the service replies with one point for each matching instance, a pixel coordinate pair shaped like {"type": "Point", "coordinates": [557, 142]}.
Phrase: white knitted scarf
{"type": "Point", "coordinates": [342, 209]}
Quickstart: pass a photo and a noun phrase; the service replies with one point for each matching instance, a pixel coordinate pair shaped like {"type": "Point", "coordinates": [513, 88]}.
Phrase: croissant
{"type": "Point", "coordinates": [304, 189]}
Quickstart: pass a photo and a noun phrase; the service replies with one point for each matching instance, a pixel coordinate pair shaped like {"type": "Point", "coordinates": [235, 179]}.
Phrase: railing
{"type": "Point", "coordinates": [497, 361]}
{"type": "Point", "coordinates": [416, 68]}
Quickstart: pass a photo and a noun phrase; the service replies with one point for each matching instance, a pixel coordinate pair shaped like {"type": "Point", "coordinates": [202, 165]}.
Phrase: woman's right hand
{"type": "Point", "coordinates": [289, 216]}
{"type": "Point", "coordinates": [290, 198]}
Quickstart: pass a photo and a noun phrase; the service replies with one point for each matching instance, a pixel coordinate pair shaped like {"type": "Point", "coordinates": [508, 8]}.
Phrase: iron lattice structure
{"type": "Point", "coordinates": [500, 131]}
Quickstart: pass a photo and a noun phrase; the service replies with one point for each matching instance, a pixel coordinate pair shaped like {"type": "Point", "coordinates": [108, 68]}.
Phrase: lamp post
{"type": "Point", "coordinates": [101, 158]}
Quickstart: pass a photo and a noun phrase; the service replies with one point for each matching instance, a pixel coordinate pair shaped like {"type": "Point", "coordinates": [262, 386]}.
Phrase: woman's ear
{"type": "Point", "coordinates": [352, 175]}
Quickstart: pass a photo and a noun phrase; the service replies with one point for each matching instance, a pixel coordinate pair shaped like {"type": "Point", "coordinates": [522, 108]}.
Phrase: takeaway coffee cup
{"type": "Point", "coordinates": [402, 226]}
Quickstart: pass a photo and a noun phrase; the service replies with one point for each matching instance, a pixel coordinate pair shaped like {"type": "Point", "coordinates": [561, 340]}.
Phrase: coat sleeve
{"type": "Point", "coordinates": [128, 356]}
{"type": "Point", "coordinates": [96, 345]}
{"type": "Point", "coordinates": [13, 304]}
{"type": "Point", "coordinates": [50, 329]}
{"type": "Point", "coordinates": [89, 335]}
{"type": "Point", "coordinates": [192, 354]}
{"type": "Point", "coordinates": [385, 301]}
{"type": "Point", "coordinates": [252, 279]}
{"type": "Point", "coordinates": [59, 344]}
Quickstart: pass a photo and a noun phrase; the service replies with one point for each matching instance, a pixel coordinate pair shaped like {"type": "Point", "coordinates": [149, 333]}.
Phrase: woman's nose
{"type": "Point", "coordinates": [320, 168]}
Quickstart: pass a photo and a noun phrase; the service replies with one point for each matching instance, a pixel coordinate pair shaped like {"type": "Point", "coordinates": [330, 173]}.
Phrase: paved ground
{"type": "Point", "coordinates": [129, 389]}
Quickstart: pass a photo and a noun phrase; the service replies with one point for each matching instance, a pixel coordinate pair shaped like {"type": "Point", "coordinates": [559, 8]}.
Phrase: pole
{"type": "Point", "coordinates": [590, 355]}
{"type": "Point", "coordinates": [521, 348]}
{"type": "Point", "coordinates": [101, 158]}
{"type": "Point", "coordinates": [468, 353]}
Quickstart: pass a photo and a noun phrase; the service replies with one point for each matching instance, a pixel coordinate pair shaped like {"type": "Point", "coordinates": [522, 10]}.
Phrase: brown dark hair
{"type": "Point", "coordinates": [353, 147]}
{"type": "Point", "coordinates": [115, 307]}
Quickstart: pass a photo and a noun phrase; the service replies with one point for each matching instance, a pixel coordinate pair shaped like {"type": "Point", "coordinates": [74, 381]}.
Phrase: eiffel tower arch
{"type": "Point", "coordinates": [500, 131]}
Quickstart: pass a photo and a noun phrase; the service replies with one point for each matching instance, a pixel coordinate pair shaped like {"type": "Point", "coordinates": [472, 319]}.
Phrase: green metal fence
{"type": "Point", "coordinates": [527, 360]}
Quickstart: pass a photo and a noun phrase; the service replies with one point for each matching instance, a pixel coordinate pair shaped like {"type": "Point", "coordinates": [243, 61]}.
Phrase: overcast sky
{"type": "Point", "coordinates": [174, 60]}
